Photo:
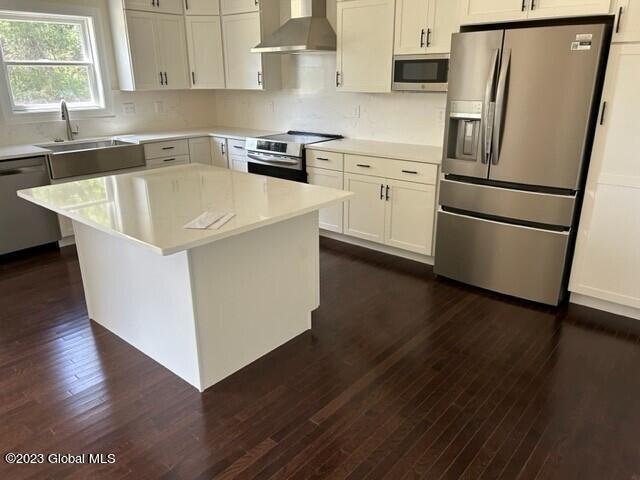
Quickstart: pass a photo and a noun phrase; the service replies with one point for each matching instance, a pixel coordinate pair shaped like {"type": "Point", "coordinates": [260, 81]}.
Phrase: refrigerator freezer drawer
{"type": "Point", "coordinates": [521, 261]}
{"type": "Point", "coordinates": [535, 207]}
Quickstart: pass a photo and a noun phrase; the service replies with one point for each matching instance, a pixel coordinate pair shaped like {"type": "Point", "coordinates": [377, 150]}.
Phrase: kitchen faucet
{"type": "Point", "coordinates": [65, 116]}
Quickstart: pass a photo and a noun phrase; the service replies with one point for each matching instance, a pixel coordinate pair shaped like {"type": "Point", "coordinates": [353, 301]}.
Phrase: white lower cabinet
{"type": "Point", "coordinates": [330, 217]}
{"type": "Point", "coordinates": [219, 152]}
{"type": "Point", "coordinates": [409, 216]}
{"type": "Point", "coordinates": [168, 161]}
{"type": "Point", "coordinates": [200, 150]}
{"type": "Point", "coordinates": [239, 165]}
{"type": "Point", "coordinates": [606, 264]}
{"type": "Point", "coordinates": [364, 213]}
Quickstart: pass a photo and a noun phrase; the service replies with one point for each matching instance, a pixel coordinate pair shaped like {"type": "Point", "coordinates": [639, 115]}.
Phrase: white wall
{"type": "Point", "coordinates": [179, 110]}
{"type": "Point", "coordinates": [309, 101]}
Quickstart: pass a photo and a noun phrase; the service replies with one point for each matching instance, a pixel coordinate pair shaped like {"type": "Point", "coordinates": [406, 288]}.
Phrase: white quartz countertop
{"type": "Point", "coordinates": [151, 207]}
{"type": "Point", "coordinates": [399, 151]}
{"type": "Point", "coordinates": [21, 151]}
{"type": "Point", "coordinates": [228, 132]}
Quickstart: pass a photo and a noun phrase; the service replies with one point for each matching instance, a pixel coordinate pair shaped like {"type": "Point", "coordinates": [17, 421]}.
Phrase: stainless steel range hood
{"type": "Point", "coordinates": [307, 31]}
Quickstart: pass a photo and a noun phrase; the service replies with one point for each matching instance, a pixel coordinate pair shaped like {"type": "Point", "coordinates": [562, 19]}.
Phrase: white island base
{"type": "Point", "coordinates": [208, 311]}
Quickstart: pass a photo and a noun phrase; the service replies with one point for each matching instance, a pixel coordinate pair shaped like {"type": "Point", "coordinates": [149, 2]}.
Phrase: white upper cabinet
{"type": "Point", "coordinates": [243, 69]}
{"type": "Point", "coordinates": [150, 49]}
{"type": "Point", "coordinates": [607, 260]}
{"type": "Point", "coordinates": [425, 26]}
{"type": "Point", "coordinates": [627, 26]}
{"type": "Point", "coordinates": [204, 43]}
{"type": "Point", "coordinates": [239, 6]}
{"type": "Point", "coordinates": [201, 7]}
{"type": "Point", "coordinates": [158, 6]}
{"type": "Point", "coordinates": [365, 45]}
{"type": "Point", "coordinates": [143, 64]}
{"type": "Point", "coordinates": [487, 11]}
{"type": "Point", "coordinates": [171, 41]}
{"type": "Point", "coordinates": [567, 8]}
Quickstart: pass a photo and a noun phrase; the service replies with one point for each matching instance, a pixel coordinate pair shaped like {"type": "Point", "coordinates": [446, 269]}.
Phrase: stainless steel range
{"type": "Point", "coordinates": [283, 155]}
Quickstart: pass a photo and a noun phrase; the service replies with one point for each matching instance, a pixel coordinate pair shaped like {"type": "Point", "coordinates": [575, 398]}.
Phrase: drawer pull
{"type": "Point", "coordinates": [238, 147]}
{"type": "Point", "coordinates": [323, 159]}
{"type": "Point", "coordinates": [363, 165]}
{"type": "Point", "coordinates": [169, 159]}
{"type": "Point", "coordinates": [412, 172]}
{"type": "Point", "coordinates": [168, 148]}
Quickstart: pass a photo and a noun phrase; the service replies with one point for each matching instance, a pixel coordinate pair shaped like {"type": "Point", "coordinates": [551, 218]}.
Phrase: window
{"type": "Point", "coordinates": [48, 58]}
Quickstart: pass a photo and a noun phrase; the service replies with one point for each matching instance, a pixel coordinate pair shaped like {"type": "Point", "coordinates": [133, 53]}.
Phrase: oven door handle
{"type": "Point", "coordinates": [273, 159]}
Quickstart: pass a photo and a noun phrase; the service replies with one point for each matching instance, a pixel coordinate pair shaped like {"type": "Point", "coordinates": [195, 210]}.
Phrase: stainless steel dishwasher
{"type": "Point", "coordinates": [23, 224]}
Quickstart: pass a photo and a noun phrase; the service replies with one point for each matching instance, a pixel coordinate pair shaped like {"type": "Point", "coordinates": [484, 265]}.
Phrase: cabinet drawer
{"type": "Point", "coordinates": [166, 149]}
{"type": "Point", "coordinates": [328, 160]}
{"type": "Point", "coordinates": [168, 161]}
{"type": "Point", "coordinates": [229, 7]}
{"type": "Point", "coordinates": [237, 148]}
{"type": "Point", "coordinates": [390, 168]}
{"type": "Point", "coordinates": [412, 171]}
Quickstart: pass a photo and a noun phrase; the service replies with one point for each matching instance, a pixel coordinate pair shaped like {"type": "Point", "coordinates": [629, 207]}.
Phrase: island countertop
{"type": "Point", "coordinates": [151, 207]}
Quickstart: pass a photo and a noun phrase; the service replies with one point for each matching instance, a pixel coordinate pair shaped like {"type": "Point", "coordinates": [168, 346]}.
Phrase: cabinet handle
{"type": "Point", "coordinates": [193, 77]}
{"type": "Point", "coordinates": [387, 194]}
{"type": "Point", "coordinates": [158, 3]}
{"type": "Point", "coordinates": [533, 4]}
{"type": "Point", "coordinates": [428, 37]}
{"type": "Point", "coordinates": [381, 192]}
{"type": "Point", "coordinates": [255, 2]}
{"type": "Point", "coordinates": [422, 32]}
{"type": "Point", "coordinates": [161, 79]}
{"type": "Point", "coordinates": [363, 165]}
{"type": "Point", "coordinates": [168, 148]}
{"type": "Point", "coordinates": [169, 159]}
{"type": "Point", "coordinates": [186, 4]}
{"type": "Point", "coordinates": [604, 109]}
{"type": "Point", "coordinates": [222, 148]}
{"type": "Point", "coordinates": [524, 5]}
{"type": "Point", "coordinates": [153, 3]}
{"type": "Point", "coordinates": [323, 159]}
{"type": "Point", "coordinates": [259, 78]}
{"type": "Point", "coordinates": [337, 79]}
{"type": "Point", "coordinates": [238, 147]}
{"type": "Point", "coordinates": [166, 79]}
{"type": "Point", "coordinates": [412, 172]}
{"type": "Point", "coordinates": [619, 19]}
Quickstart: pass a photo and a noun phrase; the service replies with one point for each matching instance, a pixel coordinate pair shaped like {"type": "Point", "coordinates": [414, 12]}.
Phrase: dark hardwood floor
{"type": "Point", "coordinates": [403, 376]}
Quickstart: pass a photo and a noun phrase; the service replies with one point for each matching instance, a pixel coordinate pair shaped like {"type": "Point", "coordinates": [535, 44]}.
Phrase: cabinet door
{"type": "Point", "coordinates": [627, 26]}
{"type": "Point", "coordinates": [443, 22]}
{"type": "Point", "coordinates": [409, 217]}
{"type": "Point", "coordinates": [243, 69]}
{"type": "Point", "coordinates": [564, 8]}
{"type": "Point", "coordinates": [239, 166]}
{"type": "Point", "coordinates": [411, 26]}
{"type": "Point", "coordinates": [364, 213]}
{"type": "Point", "coordinates": [607, 259]}
{"type": "Point", "coordinates": [200, 150]}
{"type": "Point", "coordinates": [145, 56]}
{"type": "Point", "coordinates": [365, 45]}
{"type": "Point", "coordinates": [330, 217]}
{"type": "Point", "coordinates": [201, 7]}
{"type": "Point", "coordinates": [485, 11]}
{"type": "Point", "coordinates": [204, 42]}
{"type": "Point", "coordinates": [163, 6]}
{"type": "Point", "coordinates": [171, 40]}
{"type": "Point", "coordinates": [219, 152]}
{"type": "Point", "coordinates": [239, 6]}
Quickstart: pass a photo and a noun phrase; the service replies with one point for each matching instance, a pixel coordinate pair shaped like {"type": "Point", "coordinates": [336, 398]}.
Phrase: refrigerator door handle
{"type": "Point", "coordinates": [489, 108]}
{"type": "Point", "coordinates": [500, 105]}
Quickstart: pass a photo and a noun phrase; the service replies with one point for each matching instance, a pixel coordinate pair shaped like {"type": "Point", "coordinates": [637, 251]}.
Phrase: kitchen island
{"type": "Point", "coordinates": [203, 303]}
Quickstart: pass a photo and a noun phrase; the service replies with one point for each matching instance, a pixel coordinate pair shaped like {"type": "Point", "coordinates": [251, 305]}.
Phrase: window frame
{"type": "Point", "coordinates": [91, 22]}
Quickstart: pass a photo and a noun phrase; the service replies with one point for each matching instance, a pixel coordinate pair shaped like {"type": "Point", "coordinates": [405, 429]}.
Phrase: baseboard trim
{"type": "Point", "coordinates": [606, 306]}
{"type": "Point", "coordinates": [416, 257]}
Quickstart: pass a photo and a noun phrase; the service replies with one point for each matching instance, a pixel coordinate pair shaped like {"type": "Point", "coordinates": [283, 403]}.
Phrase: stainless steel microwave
{"type": "Point", "coordinates": [421, 73]}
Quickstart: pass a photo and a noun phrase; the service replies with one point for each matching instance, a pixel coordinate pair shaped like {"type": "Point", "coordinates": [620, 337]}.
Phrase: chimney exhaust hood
{"type": "Point", "coordinates": [307, 31]}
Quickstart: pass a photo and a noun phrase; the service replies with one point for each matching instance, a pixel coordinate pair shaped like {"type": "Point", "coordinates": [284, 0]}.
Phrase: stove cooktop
{"type": "Point", "coordinates": [302, 138]}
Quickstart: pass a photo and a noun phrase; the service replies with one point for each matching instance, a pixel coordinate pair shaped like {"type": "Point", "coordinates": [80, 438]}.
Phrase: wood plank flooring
{"type": "Point", "coordinates": [403, 376]}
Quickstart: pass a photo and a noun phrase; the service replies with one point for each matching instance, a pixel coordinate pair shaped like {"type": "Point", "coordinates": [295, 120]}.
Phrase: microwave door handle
{"type": "Point", "coordinates": [489, 108]}
{"type": "Point", "coordinates": [500, 106]}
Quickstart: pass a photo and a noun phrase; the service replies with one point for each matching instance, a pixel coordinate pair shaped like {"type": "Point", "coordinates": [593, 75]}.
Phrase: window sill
{"type": "Point", "coordinates": [22, 118]}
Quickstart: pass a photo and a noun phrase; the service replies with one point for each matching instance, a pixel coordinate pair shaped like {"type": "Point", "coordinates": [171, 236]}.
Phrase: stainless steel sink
{"type": "Point", "coordinates": [76, 159]}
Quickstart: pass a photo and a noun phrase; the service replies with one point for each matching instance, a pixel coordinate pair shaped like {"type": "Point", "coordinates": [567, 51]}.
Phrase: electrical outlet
{"type": "Point", "coordinates": [356, 112]}
{"type": "Point", "coordinates": [271, 107]}
{"type": "Point", "coordinates": [129, 108]}
{"type": "Point", "coordinates": [158, 106]}
{"type": "Point", "coordinates": [440, 116]}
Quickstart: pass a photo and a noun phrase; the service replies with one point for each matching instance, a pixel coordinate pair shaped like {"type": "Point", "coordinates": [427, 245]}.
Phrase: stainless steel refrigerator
{"type": "Point", "coordinates": [520, 114]}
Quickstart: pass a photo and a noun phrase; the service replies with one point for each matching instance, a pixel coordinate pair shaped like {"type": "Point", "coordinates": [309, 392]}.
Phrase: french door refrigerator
{"type": "Point", "coordinates": [520, 114]}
